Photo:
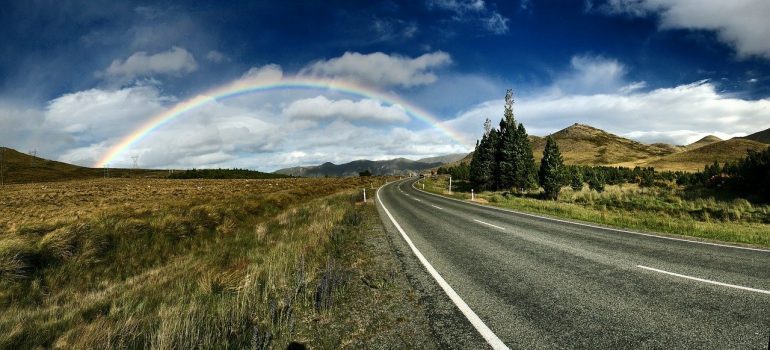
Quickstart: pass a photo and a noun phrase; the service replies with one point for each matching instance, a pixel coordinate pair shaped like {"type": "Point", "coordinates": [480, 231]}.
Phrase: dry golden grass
{"type": "Point", "coordinates": [658, 210]}
{"type": "Point", "coordinates": [177, 263]}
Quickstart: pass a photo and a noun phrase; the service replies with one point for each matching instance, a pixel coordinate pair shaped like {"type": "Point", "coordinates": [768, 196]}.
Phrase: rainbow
{"type": "Point", "coordinates": [240, 88]}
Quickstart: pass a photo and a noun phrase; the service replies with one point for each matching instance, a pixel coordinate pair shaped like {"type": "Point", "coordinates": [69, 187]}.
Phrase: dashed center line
{"type": "Point", "coordinates": [488, 224]}
{"type": "Point", "coordinates": [437, 207]}
{"type": "Point", "coordinates": [705, 280]}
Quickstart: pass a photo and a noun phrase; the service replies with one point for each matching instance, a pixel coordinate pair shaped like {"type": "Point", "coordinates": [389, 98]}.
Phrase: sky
{"type": "Point", "coordinates": [78, 77]}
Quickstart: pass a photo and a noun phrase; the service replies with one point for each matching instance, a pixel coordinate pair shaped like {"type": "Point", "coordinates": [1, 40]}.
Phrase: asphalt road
{"type": "Point", "coordinates": [540, 283]}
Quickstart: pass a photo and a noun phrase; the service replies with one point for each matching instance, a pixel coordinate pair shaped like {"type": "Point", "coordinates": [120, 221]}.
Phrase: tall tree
{"type": "Point", "coordinates": [552, 172]}
{"type": "Point", "coordinates": [483, 161]}
{"type": "Point", "coordinates": [525, 173]}
{"type": "Point", "coordinates": [507, 146]}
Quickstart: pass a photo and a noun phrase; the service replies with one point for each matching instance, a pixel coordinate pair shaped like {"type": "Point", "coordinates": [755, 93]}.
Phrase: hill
{"type": "Point", "coordinates": [760, 136]}
{"type": "Point", "coordinates": [707, 140]}
{"type": "Point", "coordinates": [695, 159]}
{"type": "Point", "coordinates": [398, 166]}
{"type": "Point", "coordinates": [586, 145]}
{"type": "Point", "coordinates": [19, 167]}
{"type": "Point", "coordinates": [449, 158]}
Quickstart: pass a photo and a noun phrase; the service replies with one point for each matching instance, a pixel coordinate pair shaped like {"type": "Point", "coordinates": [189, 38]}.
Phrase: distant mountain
{"type": "Point", "coordinates": [449, 158]}
{"type": "Point", "coordinates": [19, 167]}
{"type": "Point", "coordinates": [695, 159]}
{"type": "Point", "coordinates": [586, 145]}
{"type": "Point", "coordinates": [398, 166]}
{"type": "Point", "coordinates": [707, 140]}
{"type": "Point", "coordinates": [761, 136]}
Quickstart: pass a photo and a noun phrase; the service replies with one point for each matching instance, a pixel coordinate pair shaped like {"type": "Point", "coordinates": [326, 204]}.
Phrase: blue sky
{"type": "Point", "coordinates": [76, 76]}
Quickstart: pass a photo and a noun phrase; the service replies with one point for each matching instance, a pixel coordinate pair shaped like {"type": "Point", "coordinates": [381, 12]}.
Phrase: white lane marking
{"type": "Point", "coordinates": [477, 323]}
{"type": "Point", "coordinates": [595, 226]}
{"type": "Point", "coordinates": [437, 207]}
{"type": "Point", "coordinates": [417, 200]}
{"type": "Point", "coordinates": [488, 224]}
{"type": "Point", "coordinates": [705, 280]}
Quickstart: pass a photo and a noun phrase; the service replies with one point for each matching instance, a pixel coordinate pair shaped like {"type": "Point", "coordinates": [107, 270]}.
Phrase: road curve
{"type": "Point", "coordinates": [542, 283]}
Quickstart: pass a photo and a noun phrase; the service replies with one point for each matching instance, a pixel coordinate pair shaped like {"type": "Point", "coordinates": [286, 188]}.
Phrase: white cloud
{"type": "Point", "coordinates": [678, 115]}
{"type": "Point", "coordinates": [91, 114]}
{"type": "Point", "coordinates": [381, 69]}
{"type": "Point", "coordinates": [592, 74]}
{"type": "Point", "coordinates": [321, 107]}
{"type": "Point", "coordinates": [216, 56]}
{"type": "Point", "coordinates": [175, 61]}
{"type": "Point", "coordinates": [473, 11]}
{"type": "Point", "coordinates": [266, 73]}
{"type": "Point", "coordinates": [496, 23]}
{"type": "Point", "coordinates": [743, 24]}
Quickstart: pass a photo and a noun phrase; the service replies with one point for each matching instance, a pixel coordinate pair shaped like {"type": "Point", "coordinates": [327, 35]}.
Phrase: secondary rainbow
{"type": "Point", "coordinates": [249, 87]}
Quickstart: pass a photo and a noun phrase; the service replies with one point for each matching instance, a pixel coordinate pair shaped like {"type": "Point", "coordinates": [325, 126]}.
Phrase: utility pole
{"type": "Point", "coordinates": [135, 158]}
{"type": "Point", "coordinates": [33, 154]}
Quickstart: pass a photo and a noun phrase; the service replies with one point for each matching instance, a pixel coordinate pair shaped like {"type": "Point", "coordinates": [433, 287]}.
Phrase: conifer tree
{"type": "Point", "coordinates": [483, 161]}
{"type": "Point", "coordinates": [552, 174]}
{"type": "Point", "coordinates": [525, 173]}
{"type": "Point", "coordinates": [507, 143]}
{"type": "Point", "coordinates": [576, 179]}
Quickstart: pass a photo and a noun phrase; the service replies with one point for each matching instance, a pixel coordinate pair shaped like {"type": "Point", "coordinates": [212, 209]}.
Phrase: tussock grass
{"type": "Point", "coordinates": [183, 264]}
{"type": "Point", "coordinates": [663, 210]}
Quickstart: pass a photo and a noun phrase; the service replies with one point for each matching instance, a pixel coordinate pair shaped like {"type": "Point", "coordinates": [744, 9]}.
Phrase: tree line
{"type": "Point", "coordinates": [503, 161]}
{"type": "Point", "coordinates": [224, 174]}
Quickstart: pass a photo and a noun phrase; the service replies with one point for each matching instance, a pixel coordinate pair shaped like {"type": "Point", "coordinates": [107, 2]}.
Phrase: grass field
{"type": "Point", "coordinates": [660, 210]}
{"type": "Point", "coordinates": [157, 263]}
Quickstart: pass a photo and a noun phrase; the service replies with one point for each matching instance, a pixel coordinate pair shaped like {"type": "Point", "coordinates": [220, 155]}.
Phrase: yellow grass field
{"type": "Point", "coordinates": [197, 263]}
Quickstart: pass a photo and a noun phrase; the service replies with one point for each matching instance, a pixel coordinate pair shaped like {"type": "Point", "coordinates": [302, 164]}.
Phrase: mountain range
{"type": "Point", "coordinates": [585, 145]}
{"type": "Point", "coordinates": [579, 144]}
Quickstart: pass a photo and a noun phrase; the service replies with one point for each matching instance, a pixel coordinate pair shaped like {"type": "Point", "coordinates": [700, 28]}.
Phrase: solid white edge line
{"type": "Point", "coordinates": [488, 224]}
{"type": "Point", "coordinates": [437, 207]}
{"type": "Point", "coordinates": [705, 280]}
{"type": "Point", "coordinates": [594, 226]}
{"type": "Point", "coordinates": [477, 323]}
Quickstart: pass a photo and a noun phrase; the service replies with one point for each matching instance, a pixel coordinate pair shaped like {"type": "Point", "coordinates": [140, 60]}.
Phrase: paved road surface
{"type": "Point", "coordinates": [540, 283]}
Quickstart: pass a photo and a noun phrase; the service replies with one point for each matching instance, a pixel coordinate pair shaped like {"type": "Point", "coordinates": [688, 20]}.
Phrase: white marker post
{"type": "Point", "coordinates": [450, 184]}
{"type": "Point", "coordinates": [423, 186]}
{"type": "Point", "coordinates": [364, 195]}
{"type": "Point", "coordinates": [471, 195]}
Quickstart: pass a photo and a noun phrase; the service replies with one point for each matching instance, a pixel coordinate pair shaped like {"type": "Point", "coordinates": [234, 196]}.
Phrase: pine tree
{"type": "Point", "coordinates": [576, 179]}
{"type": "Point", "coordinates": [483, 161]}
{"type": "Point", "coordinates": [525, 173]}
{"type": "Point", "coordinates": [551, 174]}
{"type": "Point", "coordinates": [507, 143]}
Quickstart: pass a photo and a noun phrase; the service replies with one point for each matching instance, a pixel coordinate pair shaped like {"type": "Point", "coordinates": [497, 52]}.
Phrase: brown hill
{"type": "Point", "coordinates": [761, 136]}
{"type": "Point", "coordinates": [18, 167]}
{"type": "Point", "coordinates": [707, 140]}
{"type": "Point", "coordinates": [695, 159]}
{"type": "Point", "coordinates": [586, 145]}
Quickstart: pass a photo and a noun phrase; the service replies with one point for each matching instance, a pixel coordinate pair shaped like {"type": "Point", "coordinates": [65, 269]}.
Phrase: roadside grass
{"type": "Point", "coordinates": [656, 209]}
{"type": "Point", "coordinates": [189, 264]}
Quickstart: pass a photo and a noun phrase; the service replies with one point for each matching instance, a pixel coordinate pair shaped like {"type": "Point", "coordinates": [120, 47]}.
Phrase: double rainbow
{"type": "Point", "coordinates": [249, 87]}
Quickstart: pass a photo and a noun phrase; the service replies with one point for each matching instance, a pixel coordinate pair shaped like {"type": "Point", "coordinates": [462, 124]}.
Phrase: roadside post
{"type": "Point", "coordinates": [364, 195]}
{"type": "Point", "coordinates": [450, 184]}
{"type": "Point", "coordinates": [472, 195]}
